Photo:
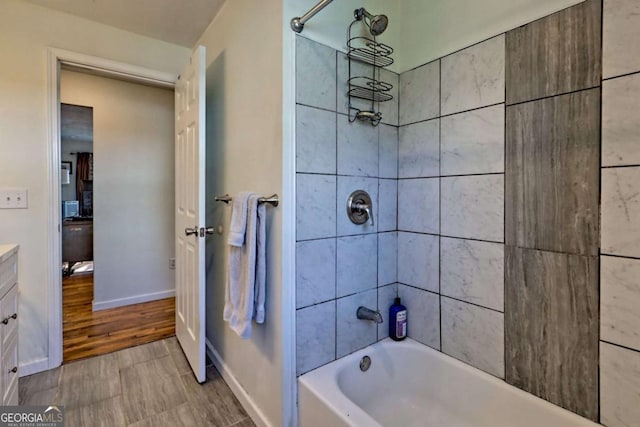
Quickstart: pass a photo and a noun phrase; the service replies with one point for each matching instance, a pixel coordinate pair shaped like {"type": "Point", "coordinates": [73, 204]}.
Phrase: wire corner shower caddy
{"type": "Point", "coordinates": [368, 85]}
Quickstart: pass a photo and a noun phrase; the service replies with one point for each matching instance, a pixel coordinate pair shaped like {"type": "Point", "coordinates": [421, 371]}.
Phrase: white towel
{"type": "Point", "coordinates": [261, 260]}
{"type": "Point", "coordinates": [238, 219]}
{"type": "Point", "coordinates": [239, 298]}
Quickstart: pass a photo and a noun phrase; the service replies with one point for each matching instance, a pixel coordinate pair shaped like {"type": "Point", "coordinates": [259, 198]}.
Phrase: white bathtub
{"type": "Point", "coordinates": [409, 384]}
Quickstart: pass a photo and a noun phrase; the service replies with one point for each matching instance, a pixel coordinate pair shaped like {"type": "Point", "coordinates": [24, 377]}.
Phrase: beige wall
{"type": "Point", "coordinates": [244, 153]}
{"type": "Point", "coordinates": [26, 32]}
{"type": "Point", "coordinates": [133, 186]}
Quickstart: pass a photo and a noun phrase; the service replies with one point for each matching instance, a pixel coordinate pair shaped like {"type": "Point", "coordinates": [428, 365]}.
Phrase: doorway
{"type": "Point", "coordinates": [116, 139]}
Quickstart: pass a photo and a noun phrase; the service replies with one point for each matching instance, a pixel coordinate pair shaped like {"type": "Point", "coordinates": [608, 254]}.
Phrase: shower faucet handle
{"type": "Point", "coordinates": [360, 208]}
{"type": "Point", "coordinates": [367, 209]}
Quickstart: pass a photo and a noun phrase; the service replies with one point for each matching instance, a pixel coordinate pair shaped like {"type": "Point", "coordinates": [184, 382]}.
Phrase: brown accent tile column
{"type": "Point", "coordinates": [552, 175]}
{"type": "Point", "coordinates": [553, 73]}
{"type": "Point", "coordinates": [551, 327]}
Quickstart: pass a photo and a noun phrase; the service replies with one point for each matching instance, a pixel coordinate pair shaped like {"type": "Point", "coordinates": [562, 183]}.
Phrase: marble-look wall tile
{"type": "Point", "coordinates": [557, 54]}
{"type": "Point", "coordinates": [315, 271]}
{"type": "Point", "coordinates": [315, 206]}
{"type": "Point", "coordinates": [420, 93]}
{"type": "Point", "coordinates": [357, 69]}
{"type": "Point", "coordinates": [346, 186]}
{"type": "Point", "coordinates": [315, 74]}
{"type": "Point", "coordinates": [620, 33]}
{"type": "Point", "coordinates": [315, 336]}
{"type": "Point", "coordinates": [315, 140]}
{"type": "Point", "coordinates": [621, 211]}
{"type": "Point", "coordinates": [419, 150]}
{"type": "Point", "coordinates": [353, 333]}
{"type": "Point", "coordinates": [418, 260]}
{"type": "Point", "coordinates": [473, 142]}
{"type": "Point", "coordinates": [387, 258]}
{"type": "Point", "coordinates": [418, 205]}
{"type": "Point", "coordinates": [619, 386]}
{"type": "Point", "coordinates": [551, 327]}
{"type": "Point", "coordinates": [621, 120]}
{"type": "Point", "coordinates": [357, 148]}
{"type": "Point", "coordinates": [423, 315]}
{"type": "Point", "coordinates": [620, 301]}
{"type": "Point", "coordinates": [387, 205]}
{"type": "Point", "coordinates": [389, 109]}
{"type": "Point", "coordinates": [357, 264]}
{"type": "Point", "coordinates": [472, 271]}
{"type": "Point", "coordinates": [388, 152]}
{"type": "Point", "coordinates": [474, 335]}
{"type": "Point", "coordinates": [473, 207]}
{"type": "Point", "coordinates": [552, 170]}
{"type": "Point", "coordinates": [474, 77]}
{"type": "Point", "coordinates": [386, 296]}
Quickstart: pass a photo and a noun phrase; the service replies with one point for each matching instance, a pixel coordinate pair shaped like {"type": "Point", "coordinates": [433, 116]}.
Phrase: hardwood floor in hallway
{"type": "Point", "coordinates": [88, 333]}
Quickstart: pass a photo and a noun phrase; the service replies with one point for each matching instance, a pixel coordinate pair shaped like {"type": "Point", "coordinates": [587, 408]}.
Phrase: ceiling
{"type": "Point", "coordinates": [179, 22]}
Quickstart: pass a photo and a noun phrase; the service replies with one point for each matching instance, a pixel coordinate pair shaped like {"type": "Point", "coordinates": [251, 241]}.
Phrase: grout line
{"type": "Point", "coordinates": [454, 114]}
{"type": "Point", "coordinates": [440, 201]}
{"type": "Point", "coordinates": [553, 252]}
{"type": "Point", "coordinates": [615, 166]}
{"type": "Point", "coordinates": [342, 236]}
{"type": "Point", "coordinates": [430, 119]}
{"type": "Point", "coordinates": [455, 237]}
{"type": "Point", "coordinates": [472, 303]}
{"type": "Point", "coordinates": [600, 155]}
{"type": "Point", "coordinates": [472, 174]}
{"type": "Point", "coordinates": [300, 104]}
{"type": "Point", "coordinates": [621, 346]}
{"type": "Point", "coordinates": [632, 73]}
{"type": "Point", "coordinates": [619, 256]}
{"type": "Point", "coordinates": [419, 177]}
{"type": "Point", "coordinates": [335, 295]}
{"type": "Point", "coordinates": [504, 212]}
{"type": "Point", "coordinates": [447, 176]}
{"type": "Point", "coordinates": [418, 288]}
{"type": "Point", "coordinates": [572, 92]}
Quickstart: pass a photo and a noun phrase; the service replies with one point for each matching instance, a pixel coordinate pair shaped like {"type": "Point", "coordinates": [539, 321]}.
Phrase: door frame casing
{"type": "Point", "coordinates": [92, 64]}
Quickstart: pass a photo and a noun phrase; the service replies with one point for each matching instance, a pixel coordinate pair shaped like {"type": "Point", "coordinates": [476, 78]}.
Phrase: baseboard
{"type": "Point", "coordinates": [33, 367]}
{"type": "Point", "coordinates": [137, 299]}
{"type": "Point", "coordinates": [245, 400]}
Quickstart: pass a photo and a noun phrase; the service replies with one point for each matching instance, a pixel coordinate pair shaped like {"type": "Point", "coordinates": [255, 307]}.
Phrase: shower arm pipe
{"type": "Point", "coordinates": [297, 24]}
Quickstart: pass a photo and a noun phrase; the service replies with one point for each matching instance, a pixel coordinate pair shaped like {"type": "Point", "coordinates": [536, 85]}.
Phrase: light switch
{"type": "Point", "coordinates": [15, 198]}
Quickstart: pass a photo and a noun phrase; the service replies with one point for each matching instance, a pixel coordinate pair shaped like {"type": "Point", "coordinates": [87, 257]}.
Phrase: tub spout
{"type": "Point", "coordinates": [365, 313]}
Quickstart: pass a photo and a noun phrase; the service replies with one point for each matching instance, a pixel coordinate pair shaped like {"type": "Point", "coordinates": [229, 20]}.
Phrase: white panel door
{"type": "Point", "coordinates": [190, 211]}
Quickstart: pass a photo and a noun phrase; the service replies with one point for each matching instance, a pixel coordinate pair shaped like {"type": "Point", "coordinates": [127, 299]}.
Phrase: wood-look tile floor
{"type": "Point", "coordinates": [88, 333]}
{"type": "Point", "coordinates": [148, 385]}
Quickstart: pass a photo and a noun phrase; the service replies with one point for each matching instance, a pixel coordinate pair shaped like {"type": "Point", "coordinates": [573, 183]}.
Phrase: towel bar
{"type": "Point", "coordinates": [272, 200]}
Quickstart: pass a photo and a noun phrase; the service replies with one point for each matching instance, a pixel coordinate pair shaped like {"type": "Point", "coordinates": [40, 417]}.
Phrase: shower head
{"type": "Point", "coordinates": [377, 23]}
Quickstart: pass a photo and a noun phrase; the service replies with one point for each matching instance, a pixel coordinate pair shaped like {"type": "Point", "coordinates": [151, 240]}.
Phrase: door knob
{"type": "Point", "coordinates": [191, 231]}
{"type": "Point", "coordinates": [207, 230]}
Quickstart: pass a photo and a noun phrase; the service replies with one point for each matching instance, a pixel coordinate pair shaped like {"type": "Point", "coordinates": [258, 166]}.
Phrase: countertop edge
{"type": "Point", "coordinates": [7, 250]}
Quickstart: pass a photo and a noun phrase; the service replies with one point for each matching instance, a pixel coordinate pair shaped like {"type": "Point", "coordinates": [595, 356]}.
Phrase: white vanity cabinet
{"type": "Point", "coordinates": [9, 324]}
